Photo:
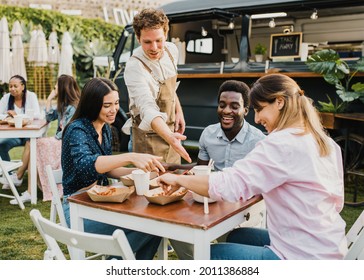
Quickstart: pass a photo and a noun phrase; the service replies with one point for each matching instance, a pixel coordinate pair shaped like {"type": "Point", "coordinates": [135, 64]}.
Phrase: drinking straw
{"type": "Point", "coordinates": [205, 199]}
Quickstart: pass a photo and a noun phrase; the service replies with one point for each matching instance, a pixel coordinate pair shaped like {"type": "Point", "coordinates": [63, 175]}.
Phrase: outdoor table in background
{"type": "Point", "coordinates": [182, 220]}
{"type": "Point", "coordinates": [36, 129]}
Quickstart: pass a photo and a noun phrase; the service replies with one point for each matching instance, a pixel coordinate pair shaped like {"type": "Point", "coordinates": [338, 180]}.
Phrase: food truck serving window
{"type": "Point", "coordinates": [195, 43]}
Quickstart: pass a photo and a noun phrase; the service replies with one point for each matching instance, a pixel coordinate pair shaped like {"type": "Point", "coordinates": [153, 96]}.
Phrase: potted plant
{"type": "Point", "coordinates": [337, 72]}
{"type": "Point", "coordinates": [259, 52]}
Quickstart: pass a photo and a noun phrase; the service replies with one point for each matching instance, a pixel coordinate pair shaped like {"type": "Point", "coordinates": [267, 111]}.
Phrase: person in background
{"type": "Point", "coordinates": [298, 170]}
{"type": "Point", "coordinates": [157, 120]}
{"type": "Point", "coordinates": [232, 138]}
{"type": "Point", "coordinates": [68, 94]}
{"type": "Point", "coordinates": [87, 157]}
{"type": "Point", "coordinates": [17, 101]}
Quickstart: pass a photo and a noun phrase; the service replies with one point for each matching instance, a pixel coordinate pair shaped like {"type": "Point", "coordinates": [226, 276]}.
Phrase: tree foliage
{"type": "Point", "coordinates": [84, 32]}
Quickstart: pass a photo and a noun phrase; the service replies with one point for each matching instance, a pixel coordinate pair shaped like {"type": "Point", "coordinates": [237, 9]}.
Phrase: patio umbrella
{"type": "Point", "coordinates": [41, 51]}
{"type": "Point", "coordinates": [4, 52]}
{"type": "Point", "coordinates": [32, 46]}
{"type": "Point", "coordinates": [53, 48]}
{"type": "Point", "coordinates": [66, 60]}
{"type": "Point", "coordinates": [18, 63]}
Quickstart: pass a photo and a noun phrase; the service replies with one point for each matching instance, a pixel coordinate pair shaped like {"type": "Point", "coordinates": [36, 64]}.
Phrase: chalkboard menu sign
{"type": "Point", "coordinates": [286, 45]}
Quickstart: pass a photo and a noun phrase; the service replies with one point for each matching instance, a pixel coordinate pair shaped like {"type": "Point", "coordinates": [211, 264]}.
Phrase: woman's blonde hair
{"type": "Point", "coordinates": [297, 107]}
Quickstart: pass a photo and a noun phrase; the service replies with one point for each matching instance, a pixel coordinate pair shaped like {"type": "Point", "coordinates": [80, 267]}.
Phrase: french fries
{"type": "Point", "coordinates": [176, 193]}
{"type": "Point", "coordinates": [105, 191]}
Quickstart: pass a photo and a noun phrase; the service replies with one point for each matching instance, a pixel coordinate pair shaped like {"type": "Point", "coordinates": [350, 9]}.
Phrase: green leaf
{"type": "Point", "coordinates": [358, 87]}
{"type": "Point", "coordinates": [328, 63]}
{"type": "Point", "coordinates": [330, 107]}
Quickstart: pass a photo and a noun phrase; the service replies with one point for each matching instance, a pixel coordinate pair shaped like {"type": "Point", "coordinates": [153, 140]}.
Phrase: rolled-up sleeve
{"type": "Point", "coordinates": [51, 115]}
{"type": "Point", "coordinates": [263, 169]}
{"type": "Point", "coordinates": [142, 93]}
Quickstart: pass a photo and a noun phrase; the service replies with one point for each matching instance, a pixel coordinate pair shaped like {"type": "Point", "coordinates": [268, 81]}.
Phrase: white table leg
{"type": "Point", "coordinates": [163, 249]}
{"type": "Point", "coordinates": [33, 170]}
{"type": "Point", "coordinates": [201, 248]}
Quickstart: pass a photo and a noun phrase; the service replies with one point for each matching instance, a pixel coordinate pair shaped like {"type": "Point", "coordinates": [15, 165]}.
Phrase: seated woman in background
{"type": "Point", "coordinates": [68, 94]}
{"type": "Point", "coordinates": [87, 157]}
{"type": "Point", "coordinates": [16, 102]}
{"type": "Point", "coordinates": [299, 172]}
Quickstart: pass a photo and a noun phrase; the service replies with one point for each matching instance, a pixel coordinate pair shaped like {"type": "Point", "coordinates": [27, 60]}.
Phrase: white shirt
{"type": "Point", "coordinates": [143, 88]}
{"type": "Point", "coordinates": [30, 103]}
{"type": "Point", "coordinates": [303, 193]}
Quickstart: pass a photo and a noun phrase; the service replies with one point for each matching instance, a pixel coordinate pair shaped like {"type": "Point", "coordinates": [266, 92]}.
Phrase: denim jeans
{"type": "Point", "coordinates": [244, 244]}
{"type": "Point", "coordinates": [143, 245]}
{"type": "Point", "coordinates": [6, 144]}
{"type": "Point", "coordinates": [130, 143]}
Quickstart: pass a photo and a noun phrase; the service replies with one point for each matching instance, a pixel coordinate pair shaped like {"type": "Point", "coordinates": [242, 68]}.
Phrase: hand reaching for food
{"type": "Point", "coordinates": [169, 183]}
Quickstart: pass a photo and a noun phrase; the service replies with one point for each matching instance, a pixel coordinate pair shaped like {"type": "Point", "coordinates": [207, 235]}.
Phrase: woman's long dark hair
{"type": "Point", "coordinates": [24, 98]}
{"type": "Point", "coordinates": [92, 99]}
{"type": "Point", "coordinates": [68, 93]}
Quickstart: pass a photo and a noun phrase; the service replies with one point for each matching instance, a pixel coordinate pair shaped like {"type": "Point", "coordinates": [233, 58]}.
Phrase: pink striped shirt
{"type": "Point", "coordinates": [303, 193]}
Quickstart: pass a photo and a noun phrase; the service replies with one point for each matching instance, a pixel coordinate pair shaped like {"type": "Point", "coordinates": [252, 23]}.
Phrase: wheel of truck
{"type": "Point", "coordinates": [354, 152]}
{"type": "Point", "coordinates": [353, 165]}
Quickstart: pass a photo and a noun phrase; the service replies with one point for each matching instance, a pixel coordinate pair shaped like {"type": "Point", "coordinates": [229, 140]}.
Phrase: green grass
{"type": "Point", "coordinates": [19, 239]}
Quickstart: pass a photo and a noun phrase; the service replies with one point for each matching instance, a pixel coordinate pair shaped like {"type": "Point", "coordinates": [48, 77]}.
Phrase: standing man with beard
{"type": "Point", "coordinates": [157, 122]}
{"type": "Point", "coordinates": [233, 137]}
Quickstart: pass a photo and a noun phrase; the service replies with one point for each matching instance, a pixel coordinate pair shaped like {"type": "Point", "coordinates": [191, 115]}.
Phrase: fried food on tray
{"type": "Point", "coordinates": [176, 193]}
{"type": "Point", "coordinates": [105, 191]}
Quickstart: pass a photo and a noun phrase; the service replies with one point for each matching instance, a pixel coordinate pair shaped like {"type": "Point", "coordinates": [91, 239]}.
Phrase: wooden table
{"type": "Point", "coordinates": [34, 130]}
{"type": "Point", "coordinates": [183, 220]}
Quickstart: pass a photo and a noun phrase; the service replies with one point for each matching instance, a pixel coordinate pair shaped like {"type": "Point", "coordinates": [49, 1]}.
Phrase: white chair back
{"type": "Point", "coordinates": [54, 178]}
{"type": "Point", "coordinates": [52, 233]}
{"type": "Point", "coordinates": [5, 168]}
{"type": "Point", "coordinates": [355, 237]}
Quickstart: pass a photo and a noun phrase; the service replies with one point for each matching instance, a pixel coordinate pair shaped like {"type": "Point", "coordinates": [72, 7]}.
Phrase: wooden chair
{"type": "Point", "coordinates": [5, 168]}
{"type": "Point", "coordinates": [355, 238]}
{"type": "Point", "coordinates": [52, 234]}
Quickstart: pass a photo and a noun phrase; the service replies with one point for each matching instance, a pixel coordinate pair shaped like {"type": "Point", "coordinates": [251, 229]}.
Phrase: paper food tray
{"type": "Point", "coordinates": [120, 194]}
{"type": "Point", "coordinates": [153, 197]}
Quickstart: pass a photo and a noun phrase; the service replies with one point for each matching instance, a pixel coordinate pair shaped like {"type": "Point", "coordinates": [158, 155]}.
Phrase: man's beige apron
{"type": "Point", "coordinates": [149, 141]}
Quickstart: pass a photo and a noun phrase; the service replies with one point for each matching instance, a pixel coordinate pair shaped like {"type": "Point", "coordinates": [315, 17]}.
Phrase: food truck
{"type": "Point", "coordinates": [217, 41]}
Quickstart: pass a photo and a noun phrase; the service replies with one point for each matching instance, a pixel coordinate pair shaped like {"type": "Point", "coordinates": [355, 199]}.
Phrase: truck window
{"type": "Point", "coordinates": [130, 44]}
{"type": "Point", "coordinates": [195, 43]}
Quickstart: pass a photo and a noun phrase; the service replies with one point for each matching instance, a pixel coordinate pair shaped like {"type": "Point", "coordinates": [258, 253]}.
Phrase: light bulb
{"type": "Point", "coordinates": [231, 25]}
{"type": "Point", "coordinates": [272, 23]}
{"type": "Point", "coordinates": [314, 15]}
{"type": "Point", "coordinates": [203, 32]}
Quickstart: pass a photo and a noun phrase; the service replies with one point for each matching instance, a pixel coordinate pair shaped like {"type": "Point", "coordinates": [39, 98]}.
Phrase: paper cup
{"type": "Point", "coordinates": [141, 181]}
{"type": "Point", "coordinates": [201, 170]}
{"type": "Point", "coordinates": [18, 121]}
{"type": "Point", "coordinates": [30, 114]}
